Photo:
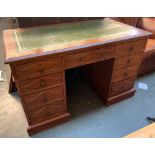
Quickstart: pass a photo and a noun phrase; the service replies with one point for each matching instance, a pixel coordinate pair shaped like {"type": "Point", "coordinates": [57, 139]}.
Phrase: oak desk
{"type": "Point", "coordinates": [110, 53]}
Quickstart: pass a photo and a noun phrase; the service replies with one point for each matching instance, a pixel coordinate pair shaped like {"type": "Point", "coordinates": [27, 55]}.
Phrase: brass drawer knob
{"type": "Point", "coordinates": [80, 59]}
{"type": "Point", "coordinates": [42, 83]}
{"type": "Point", "coordinates": [130, 48]}
{"type": "Point", "coordinates": [47, 112]}
{"type": "Point", "coordinates": [122, 87]}
{"type": "Point", "coordinates": [41, 68]}
{"type": "Point", "coordinates": [128, 61]}
{"type": "Point", "coordinates": [101, 55]}
{"type": "Point", "coordinates": [125, 74]}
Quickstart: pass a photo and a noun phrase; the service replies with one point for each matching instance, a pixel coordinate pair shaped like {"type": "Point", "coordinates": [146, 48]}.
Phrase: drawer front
{"type": "Point", "coordinates": [38, 68]}
{"type": "Point", "coordinates": [44, 97]}
{"type": "Point", "coordinates": [128, 60]}
{"type": "Point", "coordinates": [122, 86]}
{"type": "Point", "coordinates": [46, 112]}
{"type": "Point", "coordinates": [40, 83]}
{"type": "Point", "coordinates": [86, 57]}
{"type": "Point", "coordinates": [126, 73]}
{"type": "Point", "coordinates": [131, 47]}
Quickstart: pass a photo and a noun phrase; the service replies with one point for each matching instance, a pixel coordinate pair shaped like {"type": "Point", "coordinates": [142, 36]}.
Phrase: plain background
{"type": "Point", "coordinates": [77, 8]}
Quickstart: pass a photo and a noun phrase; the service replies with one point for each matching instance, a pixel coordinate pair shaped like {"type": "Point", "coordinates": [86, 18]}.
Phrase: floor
{"type": "Point", "coordinates": [12, 119]}
{"type": "Point", "coordinates": [90, 118]}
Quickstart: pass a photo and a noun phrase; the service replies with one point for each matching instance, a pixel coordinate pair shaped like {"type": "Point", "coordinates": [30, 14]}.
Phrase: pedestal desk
{"type": "Point", "coordinates": [108, 51]}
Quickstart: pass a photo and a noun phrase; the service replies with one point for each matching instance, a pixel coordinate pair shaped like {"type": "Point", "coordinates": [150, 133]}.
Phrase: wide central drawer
{"type": "Point", "coordinates": [86, 57]}
{"type": "Point", "coordinates": [40, 83]}
{"type": "Point", "coordinates": [46, 112]}
{"type": "Point", "coordinates": [125, 73]}
{"type": "Point", "coordinates": [38, 68]}
{"type": "Point", "coordinates": [44, 97]}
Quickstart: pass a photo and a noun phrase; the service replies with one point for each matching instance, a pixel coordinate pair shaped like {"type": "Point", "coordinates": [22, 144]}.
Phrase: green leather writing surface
{"type": "Point", "coordinates": [51, 37]}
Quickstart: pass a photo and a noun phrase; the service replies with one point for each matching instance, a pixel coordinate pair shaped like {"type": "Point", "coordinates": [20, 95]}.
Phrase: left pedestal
{"type": "Point", "coordinates": [41, 86]}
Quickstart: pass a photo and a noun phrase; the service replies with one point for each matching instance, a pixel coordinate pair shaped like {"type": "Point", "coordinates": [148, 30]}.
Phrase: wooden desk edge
{"type": "Point", "coordinates": [69, 49]}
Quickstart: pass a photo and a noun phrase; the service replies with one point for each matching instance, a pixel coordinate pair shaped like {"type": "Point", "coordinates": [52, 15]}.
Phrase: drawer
{"type": "Point", "coordinates": [86, 57]}
{"type": "Point", "coordinates": [131, 47]}
{"type": "Point", "coordinates": [40, 83]}
{"type": "Point", "coordinates": [38, 68]}
{"type": "Point", "coordinates": [128, 60]}
{"type": "Point", "coordinates": [122, 86]}
{"type": "Point", "coordinates": [125, 73]}
{"type": "Point", "coordinates": [44, 97]}
{"type": "Point", "coordinates": [46, 112]}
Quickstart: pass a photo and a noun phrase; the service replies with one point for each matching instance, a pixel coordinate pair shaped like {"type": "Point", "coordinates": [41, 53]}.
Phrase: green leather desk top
{"type": "Point", "coordinates": [51, 37]}
{"type": "Point", "coordinates": [24, 42]}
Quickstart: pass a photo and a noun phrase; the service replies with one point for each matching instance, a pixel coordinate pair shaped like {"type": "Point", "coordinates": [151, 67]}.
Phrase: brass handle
{"type": "Point", "coordinates": [42, 83]}
{"type": "Point", "coordinates": [44, 97]}
{"type": "Point", "coordinates": [122, 87]}
{"type": "Point", "coordinates": [128, 61]}
{"type": "Point", "coordinates": [125, 74]}
{"type": "Point", "coordinates": [41, 69]}
{"type": "Point", "coordinates": [101, 54]}
{"type": "Point", "coordinates": [130, 49]}
{"type": "Point", "coordinates": [80, 59]}
{"type": "Point", "coordinates": [47, 112]}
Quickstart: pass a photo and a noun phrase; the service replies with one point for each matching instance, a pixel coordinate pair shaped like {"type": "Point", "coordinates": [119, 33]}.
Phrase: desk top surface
{"type": "Point", "coordinates": [21, 43]}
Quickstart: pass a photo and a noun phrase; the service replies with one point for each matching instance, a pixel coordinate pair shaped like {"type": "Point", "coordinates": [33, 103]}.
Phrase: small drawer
{"type": "Point", "coordinates": [122, 86]}
{"type": "Point", "coordinates": [128, 60]}
{"type": "Point", "coordinates": [86, 57]}
{"type": "Point", "coordinates": [40, 83]}
{"type": "Point", "coordinates": [37, 68]}
{"type": "Point", "coordinates": [122, 74]}
{"type": "Point", "coordinates": [44, 97]}
{"type": "Point", "coordinates": [131, 47]}
{"type": "Point", "coordinates": [46, 112]}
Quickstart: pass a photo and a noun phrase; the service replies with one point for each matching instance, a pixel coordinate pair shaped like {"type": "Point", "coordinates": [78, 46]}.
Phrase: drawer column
{"type": "Point", "coordinates": [56, 111]}
{"type": "Point", "coordinates": [41, 86]}
{"type": "Point", "coordinates": [125, 71]}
